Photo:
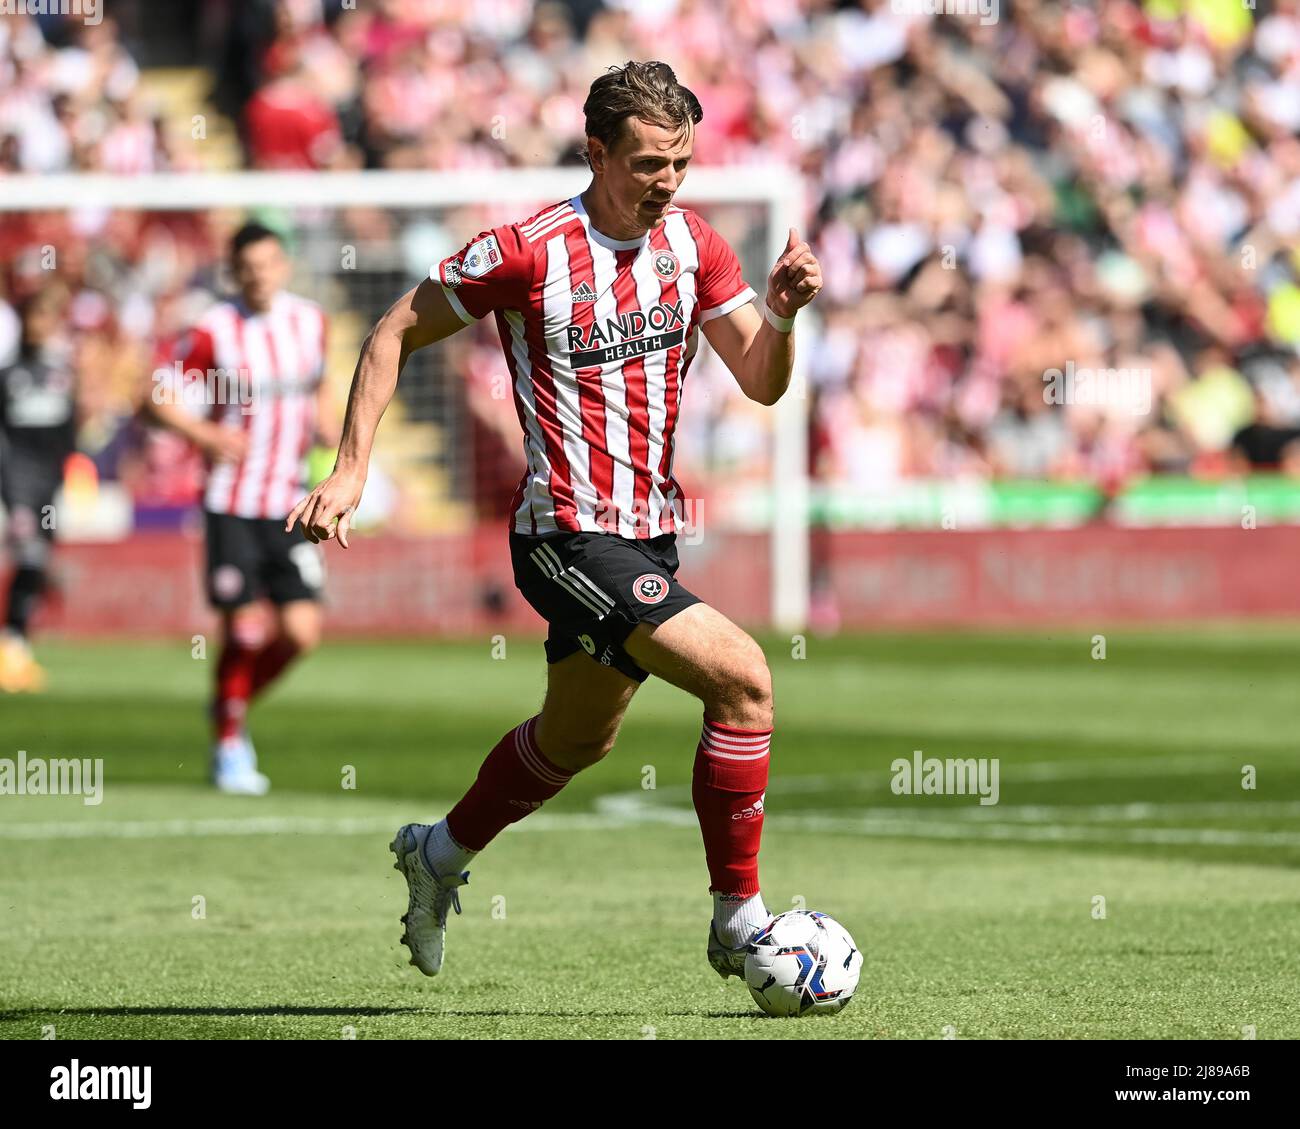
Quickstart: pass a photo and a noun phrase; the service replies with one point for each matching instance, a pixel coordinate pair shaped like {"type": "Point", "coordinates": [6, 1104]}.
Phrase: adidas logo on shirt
{"type": "Point", "coordinates": [583, 292]}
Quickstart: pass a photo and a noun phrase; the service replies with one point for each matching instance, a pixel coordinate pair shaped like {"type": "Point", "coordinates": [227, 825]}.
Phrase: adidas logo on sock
{"type": "Point", "coordinates": [583, 292]}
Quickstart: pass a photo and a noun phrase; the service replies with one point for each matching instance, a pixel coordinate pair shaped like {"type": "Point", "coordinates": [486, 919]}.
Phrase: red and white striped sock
{"type": "Point", "coordinates": [515, 780]}
{"type": "Point", "coordinates": [235, 670]}
{"type": "Point", "coordinates": [271, 663]}
{"type": "Point", "coordinates": [729, 780]}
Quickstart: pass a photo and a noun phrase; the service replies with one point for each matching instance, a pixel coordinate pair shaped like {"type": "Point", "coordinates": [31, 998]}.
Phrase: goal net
{"type": "Point", "coordinates": [146, 254]}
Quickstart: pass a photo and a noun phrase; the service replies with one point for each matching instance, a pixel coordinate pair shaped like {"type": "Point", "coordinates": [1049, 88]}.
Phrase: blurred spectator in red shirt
{"type": "Point", "coordinates": [287, 124]}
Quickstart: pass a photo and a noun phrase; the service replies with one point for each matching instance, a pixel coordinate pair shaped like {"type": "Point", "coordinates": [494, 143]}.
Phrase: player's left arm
{"type": "Point", "coordinates": [759, 348]}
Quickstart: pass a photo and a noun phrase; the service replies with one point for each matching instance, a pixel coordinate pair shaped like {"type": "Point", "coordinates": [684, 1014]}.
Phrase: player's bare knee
{"type": "Point", "coordinates": [304, 638]}
{"type": "Point", "coordinates": [575, 747]}
{"type": "Point", "coordinates": [742, 695]}
{"type": "Point", "coordinates": [592, 752]}
{"type": "Point", "coordinates": [573, 754]}
{"type": "Point", "coordinates": [302, 628]}
{"type": "Point", "coordinates": [754, 690]}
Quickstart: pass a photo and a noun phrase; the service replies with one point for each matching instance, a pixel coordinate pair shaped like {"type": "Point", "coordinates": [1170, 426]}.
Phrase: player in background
{"type": "Point", "coordinates": [598, 301]}
{"type": "Point", "coordinates": [247, 388]}
{"type": "Point", "coordinates": [38, 431]}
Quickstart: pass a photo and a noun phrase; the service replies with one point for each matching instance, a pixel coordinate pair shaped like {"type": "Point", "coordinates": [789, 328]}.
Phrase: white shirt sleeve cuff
{"type": "Point", "coordinates": [746, 295]}
{"type": "Point", "coordinates": [453, 301]}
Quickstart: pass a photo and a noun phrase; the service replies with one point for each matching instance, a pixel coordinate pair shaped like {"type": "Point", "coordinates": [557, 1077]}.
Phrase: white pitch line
{"type": "Point", "coordinates": [874, 826]}
{"type": "Point", "coordinates": [1062, 813]}
{"type": "Point", "coordinates": [879, 780]}
{"type": "Point", "coordinates": [1108, 813]}
{"type": "Point", "coordinates": [1028, 822]}
{"type": "Point", "coordinates": [929, 829]}
{"type": "Point", "coordinates": [266, 825]}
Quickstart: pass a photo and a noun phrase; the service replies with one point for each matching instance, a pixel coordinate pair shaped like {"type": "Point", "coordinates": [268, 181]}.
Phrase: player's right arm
{"type": "Point", "coordinates": [166, 402]}
{"type": "Point", "coordinates": [419, 318]}
{"type": "Point", "coordinates": [493, 272]}
{"type": "Point", "coordinates": [218, 443]}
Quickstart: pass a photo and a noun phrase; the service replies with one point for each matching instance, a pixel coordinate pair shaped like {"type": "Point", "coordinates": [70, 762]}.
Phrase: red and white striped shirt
{"type": "Point", "coordinates": [598, 334]}
{"type": "Point", "coordinates": [261, 374]}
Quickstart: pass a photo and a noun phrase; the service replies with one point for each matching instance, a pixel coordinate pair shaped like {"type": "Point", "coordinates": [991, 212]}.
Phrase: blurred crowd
{"type": "Point", "coordinates": [1106, 187]}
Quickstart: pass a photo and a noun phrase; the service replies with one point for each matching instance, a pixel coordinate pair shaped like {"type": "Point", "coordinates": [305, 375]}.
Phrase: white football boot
{"type": "Point", "coordinates": [730, 962]}
{"type": "Point", "coordinates": [431, 897]}
{"type": "Point", "coordinates": [234, 768]}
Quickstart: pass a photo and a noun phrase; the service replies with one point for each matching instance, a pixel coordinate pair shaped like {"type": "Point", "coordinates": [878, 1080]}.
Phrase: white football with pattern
{"type": "Point", "coordinates": [803, 963]}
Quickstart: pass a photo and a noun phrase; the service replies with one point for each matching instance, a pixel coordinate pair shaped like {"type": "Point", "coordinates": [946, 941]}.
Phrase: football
{"type": "Point", "coordinates": [803, 963]}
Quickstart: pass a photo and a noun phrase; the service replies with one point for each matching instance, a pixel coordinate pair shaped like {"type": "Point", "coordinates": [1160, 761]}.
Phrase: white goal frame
{"type": "Point", "coordinates": [780, 190]}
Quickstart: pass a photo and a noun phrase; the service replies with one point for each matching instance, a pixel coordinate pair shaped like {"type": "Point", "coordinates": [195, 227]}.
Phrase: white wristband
{"type": "Point", "coordinates": [781, 325]}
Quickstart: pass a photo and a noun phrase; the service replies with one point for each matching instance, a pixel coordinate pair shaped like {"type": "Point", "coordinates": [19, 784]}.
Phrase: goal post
{"type": "Point", "coordinates": [777, 191]}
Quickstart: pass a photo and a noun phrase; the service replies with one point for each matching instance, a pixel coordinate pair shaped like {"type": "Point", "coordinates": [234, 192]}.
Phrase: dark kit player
{"type": "Point", "coordinates": [38, 431]}
{"type": "Point", "coordinates": [598, 301]}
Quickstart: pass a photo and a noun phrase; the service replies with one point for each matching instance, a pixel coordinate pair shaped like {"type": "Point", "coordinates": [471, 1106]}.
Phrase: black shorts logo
{"type": "Point", "coordinates": [649, 588]}
{"type": "Point", "coordinates": [227, 582]}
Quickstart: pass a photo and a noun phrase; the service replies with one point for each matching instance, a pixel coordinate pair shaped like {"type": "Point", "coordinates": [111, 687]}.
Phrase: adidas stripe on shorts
{"type": "Point", "coordinates": [594, 588]}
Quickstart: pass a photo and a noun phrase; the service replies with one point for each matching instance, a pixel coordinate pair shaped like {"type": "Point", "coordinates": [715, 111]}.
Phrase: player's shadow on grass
{"type": "Point", "coordinates": [163, 1010]}
{"type": "Point", "coordinates": [550, 1013]}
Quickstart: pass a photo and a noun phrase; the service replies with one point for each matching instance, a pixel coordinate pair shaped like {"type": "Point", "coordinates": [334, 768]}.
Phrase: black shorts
{"type": "Point", "coordinates": [594, 588]}
{"type": "Point", "coordinates": [249, 558]}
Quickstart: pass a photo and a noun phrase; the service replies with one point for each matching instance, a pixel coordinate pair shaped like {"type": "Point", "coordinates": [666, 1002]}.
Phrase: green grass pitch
{"type": "Point", "coordinates": [1120, 779]}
